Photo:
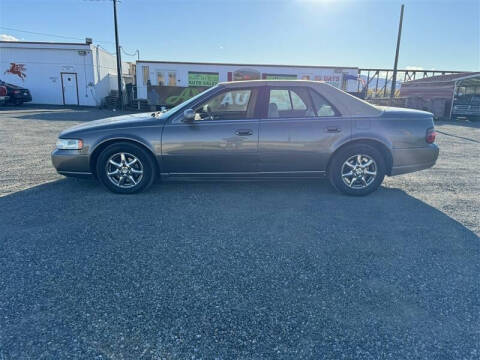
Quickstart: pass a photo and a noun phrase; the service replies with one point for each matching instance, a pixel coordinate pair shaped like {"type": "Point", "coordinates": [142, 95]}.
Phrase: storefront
{"type": "Point", "coordinates": [169, 83]}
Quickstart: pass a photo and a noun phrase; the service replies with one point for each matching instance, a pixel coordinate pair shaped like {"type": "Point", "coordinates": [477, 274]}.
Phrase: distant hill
{"type": "Point", "coordinates": [381, 82]}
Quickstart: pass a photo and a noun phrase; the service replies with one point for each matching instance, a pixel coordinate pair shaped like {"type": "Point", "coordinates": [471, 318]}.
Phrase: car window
{"type": "Point", "coordinates": [290, 103]}
{"type": "Point", "coordinates": [297, 102]}
{"type": "Point", "coordinates": [281, 98]}
{"type": "Point", "coordinates": [321, 106]}
{"type": "Point", "coordinates": [229, 105]}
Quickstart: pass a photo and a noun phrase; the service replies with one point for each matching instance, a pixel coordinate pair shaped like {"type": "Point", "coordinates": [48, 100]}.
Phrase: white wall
{"type": "Point", "coordinates": [44, 64]}
{"type": "Point", "coordinates": [183, 69]}
{"type": "Point", "coordinates": [104, 73]}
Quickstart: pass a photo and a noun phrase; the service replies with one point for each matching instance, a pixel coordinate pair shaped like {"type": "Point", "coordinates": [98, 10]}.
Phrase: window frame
{"type": "Point", "coordinates": [162, 73]}
{"type": "Point", "coordinates": [266, 99]}
{"type": "Point", "coordinates": [145, 75]}
{"type": "Point", "coordinates": [168, 78]}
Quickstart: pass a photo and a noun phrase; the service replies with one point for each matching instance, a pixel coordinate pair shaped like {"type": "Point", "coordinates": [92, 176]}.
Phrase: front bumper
{"type": "Point", "coordinates": [414, 159]}
{"type": "Point", "coordinates": [71, 163]}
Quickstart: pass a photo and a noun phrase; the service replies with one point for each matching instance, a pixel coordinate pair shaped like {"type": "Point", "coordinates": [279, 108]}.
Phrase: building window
{"type": "Point", "coordinates": [172, 78]}
{"type": "Point", "coordinates": [160, 78]}
{"type": "Point", "coordinates": [146, 73]}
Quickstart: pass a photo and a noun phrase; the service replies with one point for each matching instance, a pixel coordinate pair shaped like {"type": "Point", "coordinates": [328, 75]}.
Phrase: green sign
{"type": "Point", "coordinates": [279, 77]}
{"type": "Point", "coordinates": [202, 79]}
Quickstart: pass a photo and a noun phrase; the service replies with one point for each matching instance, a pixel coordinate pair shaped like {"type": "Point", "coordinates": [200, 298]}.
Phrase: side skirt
{"type": "Point", "coordinates": [242, 176]}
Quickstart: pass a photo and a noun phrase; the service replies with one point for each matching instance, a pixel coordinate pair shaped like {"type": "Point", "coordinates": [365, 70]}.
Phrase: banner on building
{"type": "Point", "coordinates": [205, 79]}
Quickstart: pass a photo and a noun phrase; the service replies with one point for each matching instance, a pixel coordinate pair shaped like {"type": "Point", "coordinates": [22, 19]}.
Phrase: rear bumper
{"type": "Point", "coordinates": [415, 159]}
{"type": "Point", "coordinates": [21, 97]}
{"type": "Point", "coordinates": [71, 163]}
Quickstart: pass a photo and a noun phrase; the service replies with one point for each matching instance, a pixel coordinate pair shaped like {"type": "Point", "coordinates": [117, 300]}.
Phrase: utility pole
{"type": "Point", "coordinates": [119, 60]}
{"type": "Point", "coordinates": [394, 77]}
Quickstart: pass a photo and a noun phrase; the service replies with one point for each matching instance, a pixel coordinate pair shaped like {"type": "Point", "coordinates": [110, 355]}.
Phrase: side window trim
{"type": "Point", "coordinates": [309, 90]}
{"type": "Point", "coordinates": [290, 97]}
{"type": "Point", "coordinates": [261, 107]}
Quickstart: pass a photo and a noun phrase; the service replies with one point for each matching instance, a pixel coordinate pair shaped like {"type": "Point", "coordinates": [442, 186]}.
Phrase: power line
{"type": "Point", "coordinates": [51, 35]}
{"type": "Point", "coordinates": [39, 33]}
{"type": "Point", "coordinates": [136, 53]}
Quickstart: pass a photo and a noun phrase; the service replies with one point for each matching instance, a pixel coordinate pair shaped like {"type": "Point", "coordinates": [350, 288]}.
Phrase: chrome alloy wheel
{"type": "Point", "coordinates": [124, 170]}
{"type": "Point", "coordinates": [359, 171]}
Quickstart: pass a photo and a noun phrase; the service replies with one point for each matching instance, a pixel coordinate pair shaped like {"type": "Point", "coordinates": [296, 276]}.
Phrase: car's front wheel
{"type": "Point", "coordinates": [125, 168]}
{"type": "Point", "coordinates": [357, 170]}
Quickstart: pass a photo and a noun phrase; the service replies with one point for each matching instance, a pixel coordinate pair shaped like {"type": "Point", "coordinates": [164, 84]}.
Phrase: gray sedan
{"type": "Point", "coordinates": [256, 130]}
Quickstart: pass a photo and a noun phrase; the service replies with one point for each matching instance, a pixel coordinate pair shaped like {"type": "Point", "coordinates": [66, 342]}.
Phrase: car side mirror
{"type": "Point", "coordinates": [188, 115]}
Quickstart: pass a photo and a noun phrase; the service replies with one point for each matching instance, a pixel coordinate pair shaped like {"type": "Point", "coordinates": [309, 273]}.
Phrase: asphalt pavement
{"type": "Point", "coordinates": [236, 270]}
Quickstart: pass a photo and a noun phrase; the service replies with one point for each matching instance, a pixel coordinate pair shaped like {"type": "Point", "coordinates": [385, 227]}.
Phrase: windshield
{"type": "Point", "coordinates": [185, 103]}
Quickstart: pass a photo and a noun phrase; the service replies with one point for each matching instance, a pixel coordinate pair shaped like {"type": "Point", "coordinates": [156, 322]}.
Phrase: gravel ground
{"type": "Point", "coordinates": [261, 270]}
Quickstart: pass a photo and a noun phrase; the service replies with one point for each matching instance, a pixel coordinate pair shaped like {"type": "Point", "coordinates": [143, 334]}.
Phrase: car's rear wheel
{"type": "Point", "coordinates": [357, 170]}
{"type": "Point", "coordinates": [125, 168]}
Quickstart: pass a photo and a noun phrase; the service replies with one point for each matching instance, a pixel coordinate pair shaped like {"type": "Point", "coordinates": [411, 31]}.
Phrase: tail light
{"type": "Point", "coordinates": [3, 91]}
{"type": "Point", "coordinates": [430, 137]}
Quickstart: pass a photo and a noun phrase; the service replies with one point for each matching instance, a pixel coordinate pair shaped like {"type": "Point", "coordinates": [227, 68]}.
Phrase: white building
{"type": "Point", "coordinates": [60, 73]}
{"type": "Point", "coordinates": [197, 75]}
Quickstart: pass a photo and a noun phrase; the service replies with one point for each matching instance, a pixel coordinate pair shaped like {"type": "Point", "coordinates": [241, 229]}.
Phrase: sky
{"type": "Point", "coordinates": [437, 35]}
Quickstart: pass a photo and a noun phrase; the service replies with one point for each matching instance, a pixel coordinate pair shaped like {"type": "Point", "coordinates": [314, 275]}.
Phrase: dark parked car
{"type": "Point", "coordinates": [253, 129]}
{"type": "Point", "coordinates": [3, 95]}
{"type": "Point", "coordinates": [16, 95]}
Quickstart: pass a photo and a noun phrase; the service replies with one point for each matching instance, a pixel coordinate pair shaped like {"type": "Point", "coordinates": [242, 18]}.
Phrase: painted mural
{"type": "Point", "coordinates": [18, 70]}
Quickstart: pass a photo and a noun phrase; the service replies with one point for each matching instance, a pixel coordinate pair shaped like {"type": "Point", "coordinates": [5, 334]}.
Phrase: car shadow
{"type": "Point", "coordinates": [234, 270]}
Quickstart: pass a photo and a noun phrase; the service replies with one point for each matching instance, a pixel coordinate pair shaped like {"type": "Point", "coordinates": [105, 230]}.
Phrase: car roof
{"type": "Point", "coordinates": [347, 104]}
{"type": "Point", "coordinates": [243, 83]}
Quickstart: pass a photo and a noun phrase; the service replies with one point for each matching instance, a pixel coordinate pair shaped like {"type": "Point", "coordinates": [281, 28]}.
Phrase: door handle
{"type": "Point", "coordinates": [243, 132]}
{"type": "Point", "coordinates": [332, 129]}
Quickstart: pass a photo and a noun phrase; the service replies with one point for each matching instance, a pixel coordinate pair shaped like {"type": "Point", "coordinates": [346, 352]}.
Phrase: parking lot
{"type": "Point", "coordinates": [235, 270]}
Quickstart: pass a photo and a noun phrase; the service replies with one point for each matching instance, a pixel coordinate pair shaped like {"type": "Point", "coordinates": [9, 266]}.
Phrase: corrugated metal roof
{"type": "Point", "coordinates": [440, 78]}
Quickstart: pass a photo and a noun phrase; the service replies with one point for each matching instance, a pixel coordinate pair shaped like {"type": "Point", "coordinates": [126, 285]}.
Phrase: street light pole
{"type": "Point", "coordinates": [119, 60]}
{"type": "Point", "coordinates": [394, 77]}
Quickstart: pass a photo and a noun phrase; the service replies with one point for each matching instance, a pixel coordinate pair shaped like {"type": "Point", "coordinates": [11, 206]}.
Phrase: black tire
{"type": "Point", "coordinates": [144, 163]}
{"type": "Point", "coordinates": [341, 157]}
{"type": "Point", "coordinates": [18, 102]}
